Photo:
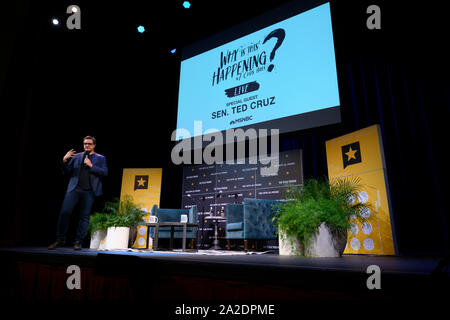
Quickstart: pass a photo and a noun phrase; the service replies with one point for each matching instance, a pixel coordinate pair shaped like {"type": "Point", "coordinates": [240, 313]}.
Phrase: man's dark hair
{"type": "Point", "coordinates": [91, 138]}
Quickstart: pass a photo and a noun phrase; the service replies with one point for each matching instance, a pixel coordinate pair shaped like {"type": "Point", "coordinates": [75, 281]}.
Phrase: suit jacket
{"type": "Point", "coordinates": [96, 173]}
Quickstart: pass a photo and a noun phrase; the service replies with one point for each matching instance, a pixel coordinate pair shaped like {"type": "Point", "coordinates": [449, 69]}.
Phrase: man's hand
{"type": "Point", "coordinates": [88, 162]}
{"type": "Point", "coordinates": [69, 155]}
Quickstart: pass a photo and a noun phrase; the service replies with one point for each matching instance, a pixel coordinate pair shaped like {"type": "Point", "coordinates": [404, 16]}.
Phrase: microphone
{"type": "Point", "coordinates": [86, 154]}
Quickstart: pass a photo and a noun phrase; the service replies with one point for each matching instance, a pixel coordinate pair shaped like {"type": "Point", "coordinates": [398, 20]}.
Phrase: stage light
{"type": "Point", "coordinates": [55, 22]}
{"type": "Point", "coordinates": [141, 29]}
{"type": "Point", "coordinates": [186, 4]}
{"type": "Point", "coordinates": [173, 51]}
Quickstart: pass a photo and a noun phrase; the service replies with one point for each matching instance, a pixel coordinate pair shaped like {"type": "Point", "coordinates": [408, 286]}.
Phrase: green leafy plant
{"type": "Point", "coordinates": [123, 213]}
{"type": "Point", "coordinates": [320, 200]}
{"type": "Point", "coordinates": [97, 222]}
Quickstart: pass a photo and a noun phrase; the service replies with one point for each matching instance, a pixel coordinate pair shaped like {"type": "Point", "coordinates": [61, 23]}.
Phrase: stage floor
{"type": "Point", "coordinates": [228, 276]}
{"type": "Point", "coordinates": [347, 263]}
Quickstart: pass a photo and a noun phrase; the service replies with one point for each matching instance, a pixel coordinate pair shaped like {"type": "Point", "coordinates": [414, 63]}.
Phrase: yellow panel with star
{"type": "Point", "coordinates": [144, 186]}
{"type": "Point", "coordinates": [360, 154]}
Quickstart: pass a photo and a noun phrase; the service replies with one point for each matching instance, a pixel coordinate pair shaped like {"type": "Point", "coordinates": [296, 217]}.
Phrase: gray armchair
{"type": "Point", "coordinates": [251, 220]}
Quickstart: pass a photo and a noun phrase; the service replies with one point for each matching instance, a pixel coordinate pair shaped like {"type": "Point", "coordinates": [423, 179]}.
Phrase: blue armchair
{"type": "Point", "coordinates": [251, 220]}
{"type": "Point", "coordinates": [174, 215]}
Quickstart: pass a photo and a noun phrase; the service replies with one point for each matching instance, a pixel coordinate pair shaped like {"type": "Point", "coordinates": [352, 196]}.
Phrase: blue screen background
{"type": "Point", "coordinates": [304, 77]}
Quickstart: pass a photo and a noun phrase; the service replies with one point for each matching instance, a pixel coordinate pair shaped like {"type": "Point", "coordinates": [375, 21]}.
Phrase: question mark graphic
{"type": "Point", "coordinates": [279, 34]}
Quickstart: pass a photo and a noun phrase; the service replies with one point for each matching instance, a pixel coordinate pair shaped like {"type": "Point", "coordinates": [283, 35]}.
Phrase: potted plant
{"type": "Point", "coordinates": [314, 220]}
{"type": "Point", "coordinates": [97, 230]}
{"type": "Point", "coordinates": [122, 216]}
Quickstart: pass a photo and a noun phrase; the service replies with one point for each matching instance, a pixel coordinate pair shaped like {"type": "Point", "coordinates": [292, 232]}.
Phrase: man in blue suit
{"type": "Point", "coordinates": [86, 170]}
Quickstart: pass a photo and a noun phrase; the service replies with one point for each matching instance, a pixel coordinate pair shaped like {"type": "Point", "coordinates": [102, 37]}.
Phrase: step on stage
{"type": "Point", "coordinates": [37, 274]}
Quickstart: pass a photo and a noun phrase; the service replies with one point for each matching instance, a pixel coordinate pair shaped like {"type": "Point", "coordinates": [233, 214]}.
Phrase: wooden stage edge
{"type": "Point", "coordinates": [37, 274]}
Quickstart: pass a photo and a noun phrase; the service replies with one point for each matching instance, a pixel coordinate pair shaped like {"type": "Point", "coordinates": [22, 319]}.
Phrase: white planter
{"type": "Point", "coordinates": [325, 244]}
{"type": "Point", "coordinates": [98, 239]}
{"type": "Point", "coordinates": [288, 246]}
{"type": "Point", "coordinates": [322, 244]}
{"type": "Point", "coordinates": [117, 238]}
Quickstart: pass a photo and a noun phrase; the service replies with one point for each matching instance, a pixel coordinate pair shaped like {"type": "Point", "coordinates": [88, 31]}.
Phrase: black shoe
{"type": "Point", "coordinates": [56, 244]}
{"type": "Point", "coordinates": [77, 246]}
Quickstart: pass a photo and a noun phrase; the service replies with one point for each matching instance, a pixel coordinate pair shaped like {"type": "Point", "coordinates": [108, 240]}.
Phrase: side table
{"type": "Point", "coordinates": [216, 220]}
{"type": "Point", "coordinates": [172, 225]}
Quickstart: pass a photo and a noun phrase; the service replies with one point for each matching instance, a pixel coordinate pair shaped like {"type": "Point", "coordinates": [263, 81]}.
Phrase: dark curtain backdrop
{"type": "Point", "coordinates": [108, 82]}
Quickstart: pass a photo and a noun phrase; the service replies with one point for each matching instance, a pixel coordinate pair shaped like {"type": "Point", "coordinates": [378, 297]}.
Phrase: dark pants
{"type": "Point", "coordinates": [86, 200]}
